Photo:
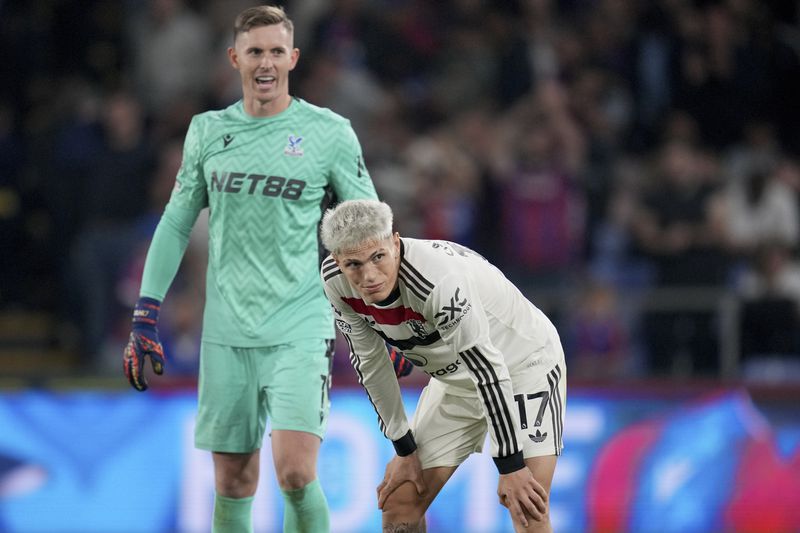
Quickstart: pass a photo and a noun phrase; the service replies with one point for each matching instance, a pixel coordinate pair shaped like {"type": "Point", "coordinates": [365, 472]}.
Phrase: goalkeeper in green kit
{"type": "Point", "coordinates": [264, 167]}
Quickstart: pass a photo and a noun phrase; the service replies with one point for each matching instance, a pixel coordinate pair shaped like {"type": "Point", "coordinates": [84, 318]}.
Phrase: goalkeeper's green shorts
{"type": "Point", "coordinates": [240, 389]}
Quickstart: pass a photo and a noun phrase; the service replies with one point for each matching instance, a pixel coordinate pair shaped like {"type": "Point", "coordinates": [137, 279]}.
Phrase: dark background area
{"type": "Point", "coordinates": [632, 165]}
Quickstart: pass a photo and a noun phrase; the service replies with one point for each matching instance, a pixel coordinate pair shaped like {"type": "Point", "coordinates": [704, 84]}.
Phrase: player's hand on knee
{"type": "Point", "coordinates": [143, 343]}
{"type": "Point", "coordinates": [523, 496]}
{"type": "Point", "coordinates": [401, 470]}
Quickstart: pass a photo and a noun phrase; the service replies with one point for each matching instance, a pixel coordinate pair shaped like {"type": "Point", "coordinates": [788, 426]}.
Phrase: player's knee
{"type": "Point", "coordinates": [404, 505]}
{"type": "Point", "coordinates": [536, 526]}
{"type": "Point", "coordinates": [241, 485]}
{"type": "Point", "coordinates": [539, 524]}
{"type": "Point", "coordinates": [294, 477]}
{"type": "Point", "coordinates": [236, 475]}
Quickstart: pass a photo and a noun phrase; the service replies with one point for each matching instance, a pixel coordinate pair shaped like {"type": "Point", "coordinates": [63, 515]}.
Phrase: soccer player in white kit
{"type": "Point", "coordinates": [496, 361]}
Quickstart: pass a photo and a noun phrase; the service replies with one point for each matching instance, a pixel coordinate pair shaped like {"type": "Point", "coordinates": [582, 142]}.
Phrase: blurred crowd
{"type": "Point", "coordinates": [633, 165]}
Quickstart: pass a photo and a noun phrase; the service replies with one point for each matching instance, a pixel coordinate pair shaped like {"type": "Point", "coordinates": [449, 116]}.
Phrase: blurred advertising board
{"type": "Point", "coordinates": [641, 462]}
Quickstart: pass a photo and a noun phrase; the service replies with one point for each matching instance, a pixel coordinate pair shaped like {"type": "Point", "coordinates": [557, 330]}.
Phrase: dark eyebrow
{"type": "Point", "coordinates": [372, 256]}
{"type": "Point", "coordinates": [351, 260]}
{"type": "Point", "coordinates": [381, 251]}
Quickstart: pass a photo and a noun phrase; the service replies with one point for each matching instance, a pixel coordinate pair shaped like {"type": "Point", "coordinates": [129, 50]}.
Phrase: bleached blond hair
{"type": "Point", "coordinates": [355, 222]}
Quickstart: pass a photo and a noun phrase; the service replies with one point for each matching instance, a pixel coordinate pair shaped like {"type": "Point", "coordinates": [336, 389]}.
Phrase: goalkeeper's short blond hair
{"type": "Point", "coordinates": [257, 16]}
{"type": "Point", "coordinates": [355, 222]}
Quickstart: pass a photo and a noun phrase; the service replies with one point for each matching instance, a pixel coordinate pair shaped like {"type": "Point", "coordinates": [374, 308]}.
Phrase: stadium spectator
{"type": "Point", "coordinates": [390, 136]}
{"type": "Point", "coordinates": [477, 134]}
{"type": "Point", "coordinates": [677, 226]}
{"type": "Point", "coordinates": [603, 109]}
{"type": "Point", "coordinates": [542, 206]}
{"type": "Point", "coordinates": [110, 192]}
{"type": "Point", "coordinates": [769, 322]}
{"type": "Point", "coordinates": [13, 238]}
{"type": "Point", "coordinates": [485, 346]}
{"type": "Point", "coordinates": [446, 181]}
{"type": "Point", "coordinates": [613, 255]}
{"type": "Point", "coordinates": [761, 209]}
{"type": "Point", "coordinates": [759, 146]}
{"type": "Point", "coordinates": [350, 89]}
{"type": "Point", "coordinates": [597, 339]}
{"type": "Point", "coordinates": [169, 43]}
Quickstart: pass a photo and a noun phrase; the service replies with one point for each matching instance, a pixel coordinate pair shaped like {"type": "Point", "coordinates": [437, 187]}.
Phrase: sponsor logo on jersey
{"type": "Point", "coordinates": [449, 369]}
{"type": "Point", "coordinates": [450, 315]}
{"type": "Point", "coordinates": [256, 184]}
{"type": "Point", "coordinates": [343, 326]}
{"type": "Point", "coordinates": [226, 140]}
{"type": "Point", "coordinates": [293, 148]}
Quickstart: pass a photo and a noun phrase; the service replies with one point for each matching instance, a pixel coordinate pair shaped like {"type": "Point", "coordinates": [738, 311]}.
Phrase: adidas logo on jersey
{"type": "Point", "coordinates": [538, 436]}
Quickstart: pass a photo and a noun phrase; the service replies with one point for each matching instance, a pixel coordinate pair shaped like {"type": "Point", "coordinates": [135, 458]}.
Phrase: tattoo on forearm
{"type": "Point", "coordinates": [405, 527]}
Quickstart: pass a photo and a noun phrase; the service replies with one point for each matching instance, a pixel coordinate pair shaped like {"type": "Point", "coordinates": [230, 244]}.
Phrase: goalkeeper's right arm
{"type": "Point", "coordinates": [163, 259]}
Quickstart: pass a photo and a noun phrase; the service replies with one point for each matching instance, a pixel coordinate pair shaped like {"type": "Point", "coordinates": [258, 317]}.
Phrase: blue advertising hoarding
{"type": "Point", "coordinates": [124, 462]}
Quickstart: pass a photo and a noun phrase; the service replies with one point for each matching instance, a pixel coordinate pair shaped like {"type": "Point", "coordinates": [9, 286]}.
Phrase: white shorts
{"type": "Point", "coordinates": [448, 428]}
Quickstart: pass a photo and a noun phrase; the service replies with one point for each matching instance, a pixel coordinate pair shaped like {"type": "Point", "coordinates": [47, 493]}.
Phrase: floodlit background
{"type": "Point", "coordinates": [633, 166]}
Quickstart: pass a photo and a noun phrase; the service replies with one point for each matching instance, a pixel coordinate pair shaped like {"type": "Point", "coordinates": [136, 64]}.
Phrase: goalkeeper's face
{"type": "Point", "coordinates": [264, 56]}
{"type": "Point", "coordinates": [372, 268]}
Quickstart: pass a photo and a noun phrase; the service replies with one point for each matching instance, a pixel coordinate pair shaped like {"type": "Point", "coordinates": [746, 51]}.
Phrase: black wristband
{"type": "Point", "coordinates": [405, 445]}
{"type": "Point", "coordinates": [509, 463]}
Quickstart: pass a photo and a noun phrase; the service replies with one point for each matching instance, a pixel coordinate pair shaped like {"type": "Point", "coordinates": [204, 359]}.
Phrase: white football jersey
{"type": "Point", "coordinates": [458, 319]}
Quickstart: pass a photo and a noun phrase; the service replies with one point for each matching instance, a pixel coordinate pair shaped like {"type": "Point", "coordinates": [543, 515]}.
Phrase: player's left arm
{"type": "Point", "coordinates": [456, 309]}
{"type": "Point", "coordinates": [348, 174]}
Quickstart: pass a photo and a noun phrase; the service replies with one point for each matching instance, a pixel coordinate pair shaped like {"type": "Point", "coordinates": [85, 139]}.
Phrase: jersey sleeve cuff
{"type": "Point", "coordinates": [405, 445]}
{"type": "Point", "coordinates": [509, 463]}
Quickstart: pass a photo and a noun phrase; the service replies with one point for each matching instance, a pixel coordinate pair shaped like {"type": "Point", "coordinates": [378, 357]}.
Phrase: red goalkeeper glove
{"type": "Point", "coordinates": [143, 343]}
{"type": "Point", "coordinates": [402, 366]}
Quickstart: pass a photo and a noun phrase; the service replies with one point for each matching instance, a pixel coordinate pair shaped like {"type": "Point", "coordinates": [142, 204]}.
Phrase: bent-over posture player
{"type": "Point", "coordinates": [496, 361]}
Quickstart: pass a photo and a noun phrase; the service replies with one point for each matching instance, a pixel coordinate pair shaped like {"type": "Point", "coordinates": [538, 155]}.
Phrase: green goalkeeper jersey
{"type": "Point", "coordinates": [265, 182]}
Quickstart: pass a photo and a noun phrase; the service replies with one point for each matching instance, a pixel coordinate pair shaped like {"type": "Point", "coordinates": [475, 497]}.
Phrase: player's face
{"type": "Point", "coordinates": [264, 56]}
{"type": "Point", "coordinates": [372, 268]}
